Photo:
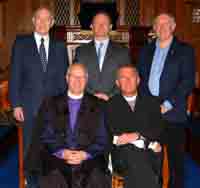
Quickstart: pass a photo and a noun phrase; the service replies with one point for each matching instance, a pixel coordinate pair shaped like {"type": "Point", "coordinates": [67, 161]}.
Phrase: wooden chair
{"type": "Point", "coordinates": [21, 158]}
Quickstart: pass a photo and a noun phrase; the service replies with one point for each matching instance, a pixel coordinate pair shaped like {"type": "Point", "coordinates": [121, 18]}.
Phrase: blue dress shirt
{"type": "Point", "coordinates": [156, 71]}
{"type": "Point", "coordinates": [104, 44]}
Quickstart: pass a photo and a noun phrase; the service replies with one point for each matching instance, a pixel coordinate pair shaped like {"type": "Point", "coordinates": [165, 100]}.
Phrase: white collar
{"type": "Point", "coordinates": [38, 37]}
{"type": "Point", "coordinates": [69, 94]}
{"type": "Point", "coordinates": [105, 41]}
{"type": "Point", "coordinates": [132, 98]}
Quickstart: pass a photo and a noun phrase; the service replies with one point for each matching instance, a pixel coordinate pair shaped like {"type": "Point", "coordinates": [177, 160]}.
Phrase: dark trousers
{"type": "Point", "coordinates": [175, 139]}
{"type": "Point", "coordinates": [86, 175]}
{"type": "Point", "coordinates": [31, 180]}
{"type": "Point", "coordinates": [141, 168]}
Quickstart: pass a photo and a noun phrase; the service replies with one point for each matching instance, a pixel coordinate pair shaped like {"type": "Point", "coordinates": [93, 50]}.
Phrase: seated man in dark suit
{"type": "Point", "coordinates": [135, 123]}
{"type": "Point", "coordinates": [72, 138]}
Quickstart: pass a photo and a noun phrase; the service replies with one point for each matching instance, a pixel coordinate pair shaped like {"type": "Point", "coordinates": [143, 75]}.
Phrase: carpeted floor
{"type": "Point", "coordinates": [9, 171]}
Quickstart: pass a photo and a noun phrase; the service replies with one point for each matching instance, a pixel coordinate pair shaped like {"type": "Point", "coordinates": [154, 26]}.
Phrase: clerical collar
{"type": "Point", "coordinates": [72, 96]}
{"type": "Point", "coordinates": [132, 98]}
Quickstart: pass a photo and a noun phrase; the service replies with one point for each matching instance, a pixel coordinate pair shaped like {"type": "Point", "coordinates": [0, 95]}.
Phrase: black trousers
{"type": "Point", "coordinates": [141, 168]}
{"type": "Point", "coordinates": [174, 137]}
{"type": "Point", "coordinates": [61, 175]}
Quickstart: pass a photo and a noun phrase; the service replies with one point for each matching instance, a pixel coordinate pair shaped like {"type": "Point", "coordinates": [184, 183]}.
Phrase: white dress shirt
{"type": "Point", "coordinates": [38, 38]}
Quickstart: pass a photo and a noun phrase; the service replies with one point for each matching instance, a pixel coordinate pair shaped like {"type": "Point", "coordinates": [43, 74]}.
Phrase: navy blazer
{"type": "Point", "coordinates": [177, 79]}
{"type": "Point", "coordinates": [28, 83]}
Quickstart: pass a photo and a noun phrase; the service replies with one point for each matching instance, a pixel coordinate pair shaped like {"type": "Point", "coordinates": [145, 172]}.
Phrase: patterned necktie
{"type": "Point", "coordinates": [99, 52]}
{"type": "Point", "coordinates": [43, 56]}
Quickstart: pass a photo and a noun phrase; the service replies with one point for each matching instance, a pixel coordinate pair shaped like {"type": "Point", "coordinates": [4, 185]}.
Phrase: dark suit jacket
{"type": "Point", "coordinates": [103, 81]}
{"type": "Point", "coordinates": [52, 129]}
{"type": "Point", "coordinates": [177, 78]}
{"type": "Point", "coordinates": [146, 119]}
{"type": "Point", "coordinates": [28, 83]}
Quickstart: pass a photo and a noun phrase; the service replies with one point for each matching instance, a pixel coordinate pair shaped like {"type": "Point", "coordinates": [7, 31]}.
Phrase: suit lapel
{"type": "Point", "coordinates": [81, 114]}
{"type": "Point", "coordinates": [108, 54]}
{"type": "Point", "coordinates": [93, 56]}
{"type": "Point", "coordinates": [151, 52]}
{"type": "Point", "coordinates": [149, 58]}
{"type": "Point", "coordinates": [35, 53]}
{"type": "Point", "coordinates": [62, 114]}
{"type": "Point", "coordinates": [170, 53]}
{"type": "Point", "coordinates": [51, 54]}
{"type": "Point", "coordinates": [168, 60]}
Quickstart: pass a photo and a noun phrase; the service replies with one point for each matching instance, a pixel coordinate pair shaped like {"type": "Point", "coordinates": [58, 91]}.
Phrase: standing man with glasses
{"type": "Point", "coordinates": [167, 70]}
{"type": "Point", "coordinates": [102, 57]}
{"type": "Point", "coordinates": [38, 67]}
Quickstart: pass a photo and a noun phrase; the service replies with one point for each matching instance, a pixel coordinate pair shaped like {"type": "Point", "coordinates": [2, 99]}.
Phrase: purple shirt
{"type": "Point", "coordinates": [74, 106]}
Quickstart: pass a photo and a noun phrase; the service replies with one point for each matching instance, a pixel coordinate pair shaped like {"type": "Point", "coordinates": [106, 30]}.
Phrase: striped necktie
{"type": "Point", "coordinates": [43, 56]}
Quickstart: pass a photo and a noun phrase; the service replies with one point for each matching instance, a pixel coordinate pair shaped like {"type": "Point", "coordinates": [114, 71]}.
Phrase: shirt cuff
{"type": "Point", "coordinates": [59, 154]}
{"type": "Point", "coordinates": [167, 105]}
{"type": "Point", "coordinates": [89, 156]}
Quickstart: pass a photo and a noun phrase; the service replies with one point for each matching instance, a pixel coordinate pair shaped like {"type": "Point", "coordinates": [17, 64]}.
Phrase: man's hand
{"type": "Point", "coordinates": [155, 146]}
{"type": "Point", "coordinates": [163, 109]}
{"type": "Point", "coordinates": [18, 114]}
{"type": "Point", "coordinates": [102, 96]}
{"type": "Point", "coordinates": [127, 138]}
{"type": "Point", "coordinates": [74, 157]}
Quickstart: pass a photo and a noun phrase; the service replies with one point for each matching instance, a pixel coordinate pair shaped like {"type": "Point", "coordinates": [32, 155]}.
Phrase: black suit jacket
{"type": "Point", "coordinates": [177, 78]}
{"type": "Point", "coordinates": [52, 129]}
{"type": "Point", "coordinates": [146, 118]}
{"type": "Point", "coordinates": [28, 84]}
{"type": "Point", "coordinates": [104, 80]}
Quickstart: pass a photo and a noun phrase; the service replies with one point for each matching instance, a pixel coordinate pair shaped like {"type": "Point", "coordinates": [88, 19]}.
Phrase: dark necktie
{"type": "Point", "coordinates": [43, 56]}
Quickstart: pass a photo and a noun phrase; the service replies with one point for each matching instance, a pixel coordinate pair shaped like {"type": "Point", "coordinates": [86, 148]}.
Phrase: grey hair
{"type": "Point", "coordinates": [128, 65]}
{"type": "Point", "coordinates": [172, 18]}
{"type": "Point", "coordinates": [46, 8]}
{"type": "Point", "coordinates": [82, 66]}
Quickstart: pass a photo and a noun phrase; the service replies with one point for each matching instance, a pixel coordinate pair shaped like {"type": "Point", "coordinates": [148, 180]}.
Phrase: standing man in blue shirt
{"type": "Point", "coordinates": [167, 70]}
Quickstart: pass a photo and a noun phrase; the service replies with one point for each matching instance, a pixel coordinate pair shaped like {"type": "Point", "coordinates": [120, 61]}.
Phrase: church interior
{"type": "Point", "coordinates": [132, 27]}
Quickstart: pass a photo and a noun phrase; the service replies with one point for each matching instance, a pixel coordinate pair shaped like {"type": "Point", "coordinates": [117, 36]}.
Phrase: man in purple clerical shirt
{"type": "Point", "coordinates": [73, 136]}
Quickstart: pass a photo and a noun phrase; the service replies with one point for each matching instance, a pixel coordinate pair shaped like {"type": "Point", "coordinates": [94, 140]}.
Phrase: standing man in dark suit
{"type": "Point", "coordinates": [71, 136]}
{"type": "Point", "coordinates": [135, 123]}
{"type": "Point", "coordinates": [102, 58]}
{"type": "Point", "coordinates": [38, 66]}
{"type": "Point", "coordinates": [167, 70]}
